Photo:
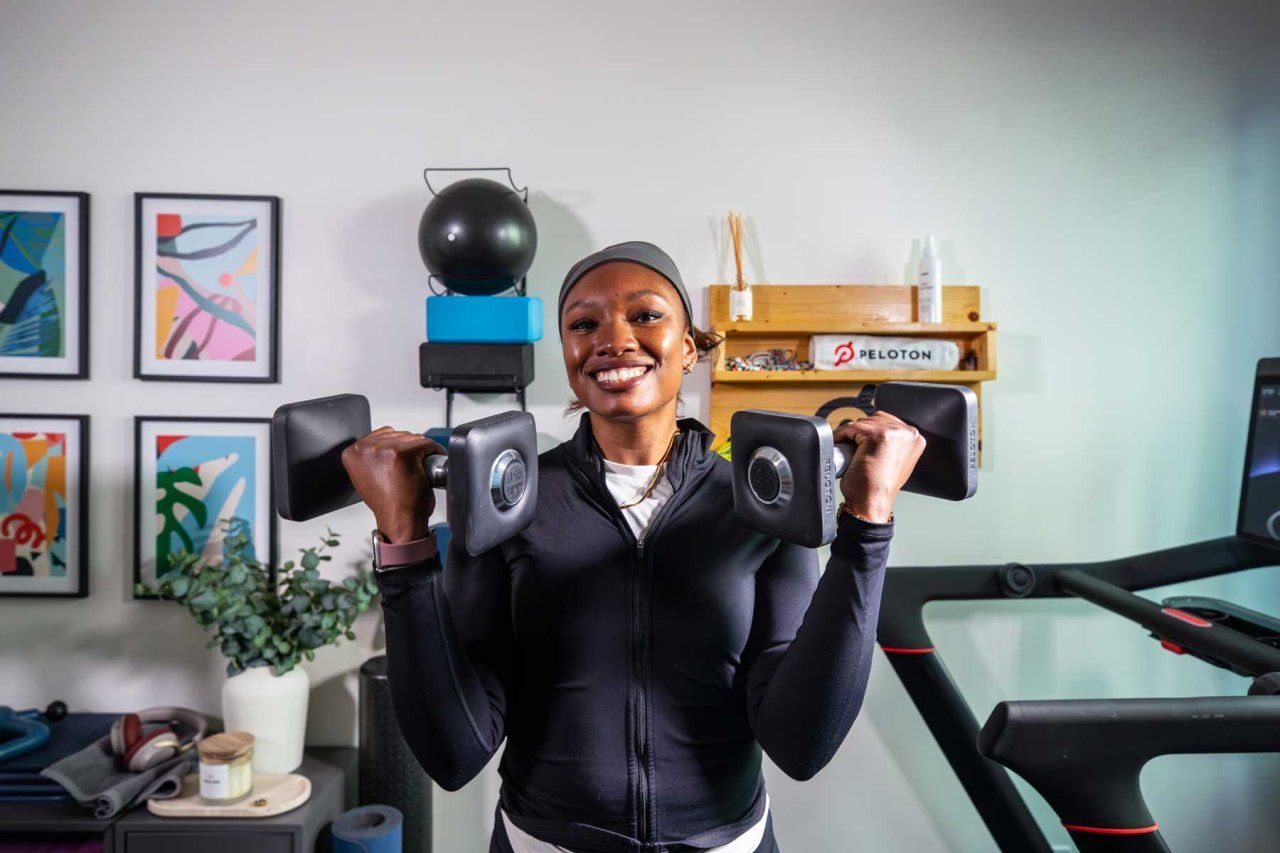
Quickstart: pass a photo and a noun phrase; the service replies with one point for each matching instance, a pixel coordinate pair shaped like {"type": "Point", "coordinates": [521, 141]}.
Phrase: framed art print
{"type": "Point", "coordinates": [44, 488]}
{"type": "Point", "coordinates": [44, 284]}
{"type": "Point", "coordinates": [192, 476]}
{"type": "Point", "coordinates": [207, 288]}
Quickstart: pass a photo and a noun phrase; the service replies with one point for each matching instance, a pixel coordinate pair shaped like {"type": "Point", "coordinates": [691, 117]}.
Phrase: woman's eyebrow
{"type": "Point", "coordinates": [631, 297]}
{"type": "Point", "coordinates": [580, 303]}
{"type": "Point", "coordinates": [638, 294]}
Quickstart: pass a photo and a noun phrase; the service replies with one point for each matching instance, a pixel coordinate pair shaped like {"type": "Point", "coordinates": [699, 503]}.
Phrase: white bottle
{"type": "Point", "coordinates": [930, 291]}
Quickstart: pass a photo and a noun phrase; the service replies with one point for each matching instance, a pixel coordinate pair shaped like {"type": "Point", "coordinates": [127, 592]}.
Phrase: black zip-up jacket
{"type": "Point", "coordinates": [635, 682]}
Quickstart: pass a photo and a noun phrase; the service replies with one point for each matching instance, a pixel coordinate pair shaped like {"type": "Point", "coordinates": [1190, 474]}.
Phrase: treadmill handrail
{"type": "Point", "coordinates": [908, 588]}
{"type": "Point", "coordinates": [1084, 756]}
{"type": "Point", "coordinates": [1243, 653]}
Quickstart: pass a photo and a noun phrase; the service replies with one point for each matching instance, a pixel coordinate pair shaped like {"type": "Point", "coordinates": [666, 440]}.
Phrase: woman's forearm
{"type": "Point", "coordinates": [805, 696]}
{"type": "Point", "coordinates": [450, 708]}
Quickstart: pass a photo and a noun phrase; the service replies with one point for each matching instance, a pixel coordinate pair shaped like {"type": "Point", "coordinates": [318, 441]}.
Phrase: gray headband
{"type": "Point", "coordinates": [637, 252]}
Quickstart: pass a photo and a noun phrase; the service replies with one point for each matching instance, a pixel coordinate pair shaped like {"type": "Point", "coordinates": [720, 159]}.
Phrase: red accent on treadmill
{"type": "Point", "coordinates": [1172, 647]}
{"type": "Point", "coordinates": [1187, 617]}
{"type": "Point", "coordinates": [900, 650]}
{"type": "Point", "coordinates": [1105, 830]}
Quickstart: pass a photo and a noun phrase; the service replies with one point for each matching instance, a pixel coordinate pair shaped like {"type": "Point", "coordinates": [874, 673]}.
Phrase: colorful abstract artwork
{"type": "Point", "coordinates": [42, 283]}
{"type": "Point", "coordinates": [41, 505]}
{"type": "Point", "coordinates": [194, 476]}
{"type": "Point", "coordinates": [207, 287]}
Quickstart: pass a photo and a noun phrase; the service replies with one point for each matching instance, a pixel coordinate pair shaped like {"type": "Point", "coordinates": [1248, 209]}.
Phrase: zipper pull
{"type": "Point", "coordinates": [639, 547]}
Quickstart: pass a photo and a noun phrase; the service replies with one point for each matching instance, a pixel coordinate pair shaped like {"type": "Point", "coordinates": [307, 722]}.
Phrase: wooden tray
{"type": "Point", "coordinates": [273, 794]}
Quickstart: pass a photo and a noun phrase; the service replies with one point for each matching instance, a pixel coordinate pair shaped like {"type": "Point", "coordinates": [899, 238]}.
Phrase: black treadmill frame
{"type": "Point", "coordinates": [918, 664]}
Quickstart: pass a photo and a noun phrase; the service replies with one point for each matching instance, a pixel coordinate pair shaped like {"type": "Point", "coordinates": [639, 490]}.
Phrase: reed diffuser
{"type": "Point", "coordinates": [740, 294]}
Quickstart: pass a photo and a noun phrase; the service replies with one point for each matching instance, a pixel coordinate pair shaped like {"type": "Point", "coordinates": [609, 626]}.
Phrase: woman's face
{"type": "Point", "coordinates": [626, 341]}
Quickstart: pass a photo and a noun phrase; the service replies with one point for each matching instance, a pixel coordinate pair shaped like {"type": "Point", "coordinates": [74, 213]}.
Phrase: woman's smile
{"type": "Point", "coordinates": [621, 377]}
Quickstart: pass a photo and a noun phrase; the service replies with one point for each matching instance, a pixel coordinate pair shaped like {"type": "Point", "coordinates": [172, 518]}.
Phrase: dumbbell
{"type": "Point", "coordinates": [489, 471]}
{"type": "Point", "coordinates": [787, 467]}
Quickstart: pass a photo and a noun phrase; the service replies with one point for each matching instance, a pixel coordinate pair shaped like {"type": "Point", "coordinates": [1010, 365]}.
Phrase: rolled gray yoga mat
{"type": "Point", "coordinates": [389, 773]}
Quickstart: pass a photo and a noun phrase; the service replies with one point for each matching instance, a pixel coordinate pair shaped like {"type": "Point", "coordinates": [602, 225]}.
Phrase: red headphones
{"type": "Point", "coordinates": [141, 748]}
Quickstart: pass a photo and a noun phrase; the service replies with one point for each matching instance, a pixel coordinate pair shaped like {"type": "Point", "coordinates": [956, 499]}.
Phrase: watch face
{"type": "Point", "coordinates": [377, 550]}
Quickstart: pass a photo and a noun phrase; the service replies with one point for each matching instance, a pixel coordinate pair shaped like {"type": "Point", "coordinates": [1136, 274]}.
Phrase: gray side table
{"type": "Point", "coordinates": [296, 831]}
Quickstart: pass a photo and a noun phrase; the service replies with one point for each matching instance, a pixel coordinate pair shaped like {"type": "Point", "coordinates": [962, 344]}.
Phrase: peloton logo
{"type": "Point", "coordinates": [847, 352]}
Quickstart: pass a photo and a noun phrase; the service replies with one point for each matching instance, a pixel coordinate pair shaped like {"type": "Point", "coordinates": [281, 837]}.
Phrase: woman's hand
{"type": "Point", "coordinates": [386, 467]}
{"type": "Point", "coordinates": [887, 450]}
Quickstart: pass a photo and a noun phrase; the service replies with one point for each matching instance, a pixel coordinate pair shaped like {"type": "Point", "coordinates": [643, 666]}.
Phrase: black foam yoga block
{"type": "Point", "coordinates": [475, 367]}
{"type": "Point", "coordinates": [389, 774]}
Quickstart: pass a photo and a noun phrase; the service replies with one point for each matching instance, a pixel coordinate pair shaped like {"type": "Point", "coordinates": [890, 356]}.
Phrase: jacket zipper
{"type": "Point", "coordinates": [638, 694]}
{"type": "Point", "coordinates": [642, 734]}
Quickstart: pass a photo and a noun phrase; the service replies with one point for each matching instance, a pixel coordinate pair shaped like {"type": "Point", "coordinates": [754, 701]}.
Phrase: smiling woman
{"type": "Point", "coordinates": [627, 337]}
{"type": "Point", "coordinates": [636, 646]}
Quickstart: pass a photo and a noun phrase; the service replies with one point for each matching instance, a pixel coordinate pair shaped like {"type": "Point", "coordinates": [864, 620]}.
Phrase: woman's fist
{"type": "Point", "coordinates": [386, 468]}
{"type": "Point", "coordinates": [886, 452]}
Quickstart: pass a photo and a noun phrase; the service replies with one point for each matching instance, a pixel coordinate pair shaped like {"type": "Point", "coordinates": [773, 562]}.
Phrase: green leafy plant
{"type": "Point", "coordinates": [255, 622]}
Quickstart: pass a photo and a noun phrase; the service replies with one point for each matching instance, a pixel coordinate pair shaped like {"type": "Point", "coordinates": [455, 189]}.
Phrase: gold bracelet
{"type": "Point", "coordinates": [844, 510]}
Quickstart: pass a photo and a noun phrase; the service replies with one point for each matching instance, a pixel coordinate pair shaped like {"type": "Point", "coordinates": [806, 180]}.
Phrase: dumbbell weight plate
{"type": "Point", "coordinates": [783, 475]}
{"type": "Point", "coordinates": [947, 417]}
{"type": "Point", "coordinates": [493, 479]}
{"type": "Point", "coordinates": [307, 440]}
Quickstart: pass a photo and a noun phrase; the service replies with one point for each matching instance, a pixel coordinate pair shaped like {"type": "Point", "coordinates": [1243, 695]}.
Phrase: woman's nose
{"type": "Point", "coordinates": [614, 337]}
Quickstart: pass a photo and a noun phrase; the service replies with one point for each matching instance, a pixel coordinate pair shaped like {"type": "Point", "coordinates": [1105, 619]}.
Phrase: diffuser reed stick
{"type": "Point", "coordinates": [740, 307]}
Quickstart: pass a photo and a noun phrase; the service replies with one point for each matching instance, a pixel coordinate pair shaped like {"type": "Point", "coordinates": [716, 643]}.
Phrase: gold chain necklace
{"type": "Point", "coordinates": [657, 475]}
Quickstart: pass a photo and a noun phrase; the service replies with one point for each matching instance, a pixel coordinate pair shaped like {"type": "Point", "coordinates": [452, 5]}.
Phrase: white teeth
{"type": "Point", "coordinates": [621, 374]}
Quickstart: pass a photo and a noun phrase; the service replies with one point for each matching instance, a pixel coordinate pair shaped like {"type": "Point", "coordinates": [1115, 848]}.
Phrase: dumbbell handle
{"type": "Point", "coordinates": [437, 467]}
{"type": "Point", "coordinates": [506, 477]}
{"type": "Point", "coordinates": [841, 456]}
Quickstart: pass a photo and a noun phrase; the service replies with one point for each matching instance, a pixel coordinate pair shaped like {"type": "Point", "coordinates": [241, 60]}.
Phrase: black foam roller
{"type": "Point", "coordinates": [389, 774]}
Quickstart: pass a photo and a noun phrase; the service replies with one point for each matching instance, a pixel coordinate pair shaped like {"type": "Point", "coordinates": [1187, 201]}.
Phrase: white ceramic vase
{"type": "Point", "coordinates": [272, 708]}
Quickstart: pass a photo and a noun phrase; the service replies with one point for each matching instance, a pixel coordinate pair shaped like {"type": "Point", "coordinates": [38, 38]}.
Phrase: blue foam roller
{"type": "Point", "coordinates": [369, 829]}
{"type": "Point", "coordinates": [484, 319]}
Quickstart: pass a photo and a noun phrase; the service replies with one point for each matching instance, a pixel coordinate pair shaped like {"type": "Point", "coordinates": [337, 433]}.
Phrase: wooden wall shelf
{"type": "Point", "coordinates": [785, 316]}
{"type": "Point", "coordinates": [777, 377]}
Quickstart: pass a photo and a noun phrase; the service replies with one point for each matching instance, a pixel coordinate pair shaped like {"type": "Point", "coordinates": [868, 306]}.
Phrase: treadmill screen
{"type": "Point", "coordinates": [1260, 499]}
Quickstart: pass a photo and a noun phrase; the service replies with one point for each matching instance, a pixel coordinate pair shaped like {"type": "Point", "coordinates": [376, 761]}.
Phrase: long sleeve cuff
{"type": "Point", "coordinates": [853, 535]}
{"type": "Point", "coordinates": [395, 581]}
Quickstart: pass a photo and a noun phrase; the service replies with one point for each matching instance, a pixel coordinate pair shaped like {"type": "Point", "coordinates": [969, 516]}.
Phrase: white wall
{"type": "Point", "coordinates": [1108, 172]}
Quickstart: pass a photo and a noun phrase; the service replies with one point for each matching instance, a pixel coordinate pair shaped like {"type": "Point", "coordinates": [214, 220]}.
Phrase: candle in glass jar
{"type": "Point", "coordinates": [226, 766]}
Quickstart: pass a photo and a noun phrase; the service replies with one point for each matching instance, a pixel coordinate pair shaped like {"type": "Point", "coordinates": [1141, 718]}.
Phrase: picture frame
{"type": "Point", "coordinates": [44, 284]}
{"type": "Point", "coordinates": [206, 288]}
{"type": "Point", "coordinates": [191, 475]}
{"type": "Point", "coordinates": [45, 484]}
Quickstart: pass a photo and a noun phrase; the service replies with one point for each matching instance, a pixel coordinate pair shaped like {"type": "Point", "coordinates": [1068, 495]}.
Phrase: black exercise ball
{"type": "Point", "coordinates": [478, 237]}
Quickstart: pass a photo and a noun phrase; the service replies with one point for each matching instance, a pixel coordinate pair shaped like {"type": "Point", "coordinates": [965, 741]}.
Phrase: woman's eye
{"type": "Point", "coordinates": [649, 315]}
{"type": "Point", "coordinates": [581, 325]}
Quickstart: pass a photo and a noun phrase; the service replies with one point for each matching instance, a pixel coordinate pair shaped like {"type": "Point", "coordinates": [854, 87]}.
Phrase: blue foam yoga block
{"type": "Point", "coordinates": [484, 319]}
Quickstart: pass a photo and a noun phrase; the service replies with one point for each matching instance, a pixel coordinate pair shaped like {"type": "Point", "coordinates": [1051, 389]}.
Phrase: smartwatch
{"type": "Point", "coordinates": [388, 556]}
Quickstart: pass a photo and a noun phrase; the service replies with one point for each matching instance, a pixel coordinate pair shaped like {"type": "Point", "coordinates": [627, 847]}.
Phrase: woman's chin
{"type": "Point", "coordinates": [623, 407]}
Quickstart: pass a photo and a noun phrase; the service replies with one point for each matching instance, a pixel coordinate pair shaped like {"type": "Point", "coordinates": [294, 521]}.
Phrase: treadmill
{"type": "Point", "coordinates": [1084, 756]}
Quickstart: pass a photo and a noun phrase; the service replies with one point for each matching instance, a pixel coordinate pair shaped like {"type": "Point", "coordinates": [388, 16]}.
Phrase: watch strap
{"type": "Point", "coordinates": [392, 555]}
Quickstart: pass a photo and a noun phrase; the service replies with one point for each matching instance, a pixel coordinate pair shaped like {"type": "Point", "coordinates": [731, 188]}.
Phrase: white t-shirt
{"type": "Point", "coordinates": [627, 483]}
{"type": "Point", "coordinates": [747, 842]}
